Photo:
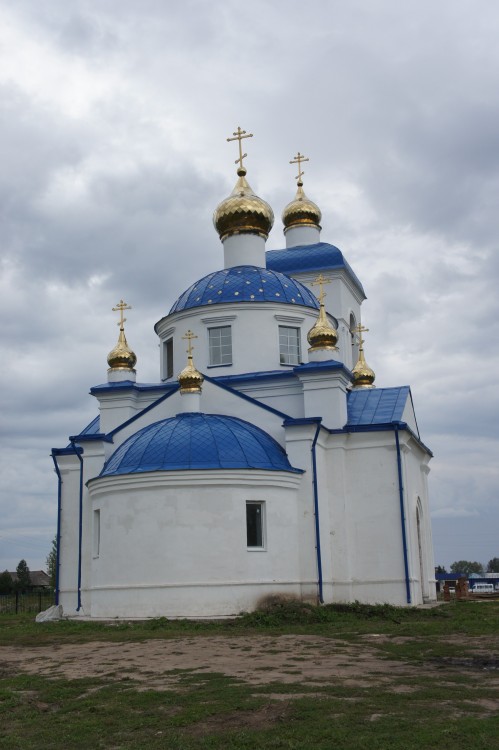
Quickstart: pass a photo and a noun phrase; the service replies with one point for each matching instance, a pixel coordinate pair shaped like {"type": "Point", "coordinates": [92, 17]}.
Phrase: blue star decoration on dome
{"type": "Point", "coordinates": [198, 441]}
{"type": "Point", "coordinates": [245, 284]}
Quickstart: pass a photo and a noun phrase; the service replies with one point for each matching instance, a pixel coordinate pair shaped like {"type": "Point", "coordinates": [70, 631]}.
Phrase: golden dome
{"type": "Point", "coordinates": [322, 335]}
{"type": "Point", "coordinates": [243, 212]}
{"type": "Point", "coordinates": [363, 376]}
{"type": "Point", "coordinates": [121, 357]}
{"type": "Point", "coordinates": [301, 211]}
{"type": "Point", "coordinates": [190, 379]}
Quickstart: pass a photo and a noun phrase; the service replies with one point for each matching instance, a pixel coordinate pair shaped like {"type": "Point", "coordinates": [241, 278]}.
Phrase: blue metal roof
{"type": "Point", "coordinates": [93, 428]}
{"type": "Point", "coordinates": [376, 405]}
{"type": "Point", "coordinates": [317, 257]}
{"type": "Point", "coordinates": [198, 441]}
{"type": "Point", "coordinates": [245, 284]}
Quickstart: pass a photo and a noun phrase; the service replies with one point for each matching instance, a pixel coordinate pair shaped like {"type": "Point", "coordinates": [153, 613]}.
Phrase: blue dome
{"type": "Point", "coordinates": [245, 284]}
{"type": "Point", "coordinates": [197, 441]}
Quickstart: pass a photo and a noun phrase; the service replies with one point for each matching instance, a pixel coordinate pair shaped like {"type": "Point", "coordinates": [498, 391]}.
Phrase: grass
{"type": "Point", "coordinates": [445, 702]}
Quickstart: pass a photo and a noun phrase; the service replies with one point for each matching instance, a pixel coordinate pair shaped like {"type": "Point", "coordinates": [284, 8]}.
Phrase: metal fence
{"type": "Point", "coordinates": [35, 601]}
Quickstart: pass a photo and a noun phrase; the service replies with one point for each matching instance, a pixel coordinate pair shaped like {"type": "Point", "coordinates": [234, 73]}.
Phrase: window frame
{"type": "Point", "coordinates": [212, 346]}
{"type": "Point", "coordinates": [286, 354]}
{"type": "Point", "coordinates": [261, 533]}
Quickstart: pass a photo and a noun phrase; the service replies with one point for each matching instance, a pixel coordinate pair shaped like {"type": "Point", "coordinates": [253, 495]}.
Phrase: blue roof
{"type": "Point", "coordinates": [93, 428]}
{"type": "Point", "coordinates": [198, 441]}
{"type": "Point", "coordinates": [245, 284]}
{"type": "Point", "coordinates": [376, 405]}
{"type": "Point", "coordinates": [317, 257]}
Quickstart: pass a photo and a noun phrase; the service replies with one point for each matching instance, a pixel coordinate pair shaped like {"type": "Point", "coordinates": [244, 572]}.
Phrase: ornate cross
{"type": "Point", "coordinates": [189, 336]}
{"type": "Point", "coordinates": [238, 136]}
{"type": "Point", "coordinates": [120, 307]}
{"type": "Point", "coordinates": [359, 330]}
{"type": "Point", "coordinates": [298, 160]}
{"type": "Point", "coordinates": [320, 281]}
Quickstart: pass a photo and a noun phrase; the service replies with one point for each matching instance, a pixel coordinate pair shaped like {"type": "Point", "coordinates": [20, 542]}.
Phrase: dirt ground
{"type": "Point", "coordinates": [304, 659]}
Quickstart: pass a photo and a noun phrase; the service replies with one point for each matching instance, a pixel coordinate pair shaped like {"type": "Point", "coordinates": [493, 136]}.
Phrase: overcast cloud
{"type": "Point", "coordinates": [113, 123]}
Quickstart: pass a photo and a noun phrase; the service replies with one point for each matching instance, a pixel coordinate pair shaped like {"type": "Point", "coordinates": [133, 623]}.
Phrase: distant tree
{"type": "Point", "coordinates": [6, 583]}
{"type": "Point", "coordinates": [23, 576]}
{"type": "Point", "coordinates": [466, 567]}
{"type": "Point", "coordinates": [493, 565]}
{"type": "Point", "coordinates": [52, 562]}
{"type": "Point", "coordinates": [440, 569]}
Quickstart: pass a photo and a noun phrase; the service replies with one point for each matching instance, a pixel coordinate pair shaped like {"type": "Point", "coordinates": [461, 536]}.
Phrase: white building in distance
{"type": "Point", "coordinates": [272, 465]}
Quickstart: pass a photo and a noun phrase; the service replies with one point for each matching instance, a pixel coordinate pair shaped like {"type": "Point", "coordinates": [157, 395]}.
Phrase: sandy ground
{"type": "Point", "coordinates": [305, 659]}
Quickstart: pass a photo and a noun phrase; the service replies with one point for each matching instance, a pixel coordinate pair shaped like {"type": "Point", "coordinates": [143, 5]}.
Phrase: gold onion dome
{"type": "Point", "coordinates": [243, 212]}
{"type": "Point", "coordinates": [190, 379]}
{"type": "Point", "coordinates": [322, 335]}
{"type": "Point", "coordinates": [121, 357]}
{"type": "Point", "coordinates": [301, 212]}
{"type": "Point", "coordinates": [363, 375]}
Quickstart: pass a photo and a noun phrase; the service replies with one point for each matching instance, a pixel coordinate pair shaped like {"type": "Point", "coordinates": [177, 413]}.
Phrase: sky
{"type": "Point", "coordinates": [113, 149]}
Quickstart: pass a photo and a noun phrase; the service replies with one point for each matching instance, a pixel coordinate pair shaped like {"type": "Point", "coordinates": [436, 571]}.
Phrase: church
{"type": "Point", "coordinates": [263, 461]}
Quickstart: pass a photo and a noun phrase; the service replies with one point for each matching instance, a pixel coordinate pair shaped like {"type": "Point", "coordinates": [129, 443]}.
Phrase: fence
{"type": "Point", "coordinates": [18, 602]}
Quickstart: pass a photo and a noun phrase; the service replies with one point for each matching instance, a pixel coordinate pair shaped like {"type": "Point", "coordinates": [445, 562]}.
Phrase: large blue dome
{"type": "Point", "coordinates": [245, 284]}
{"type": "Point", "coordinates": [198, 441]}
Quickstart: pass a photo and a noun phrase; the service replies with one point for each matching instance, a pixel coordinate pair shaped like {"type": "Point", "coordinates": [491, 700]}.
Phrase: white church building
{"type": "Point", "coordinates": [263, 461]}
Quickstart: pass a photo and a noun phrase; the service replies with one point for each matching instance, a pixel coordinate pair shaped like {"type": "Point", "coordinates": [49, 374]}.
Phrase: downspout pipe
{"type": "Point", "coordinates": [80, 522]}
{"type": "Point", "coordinates": [316, 513]}
{"type": "Point", "coordinates": [58, 533]}
{"type": "Point", "coordinates": [402, 516]}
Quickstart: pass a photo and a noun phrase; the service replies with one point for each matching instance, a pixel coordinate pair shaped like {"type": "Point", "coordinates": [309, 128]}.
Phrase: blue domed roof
{"type": "Point", "coordinates": [245, 284]}
{"type": "Point", "coordinates": [198, 441]}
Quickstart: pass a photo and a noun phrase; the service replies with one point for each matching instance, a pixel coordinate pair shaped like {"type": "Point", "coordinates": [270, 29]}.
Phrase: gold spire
{"type": "Point", "coordinates": [190, 379]}
{"type": "Point", "coordinates": [121, 357]}
{"type": "Point", "coordinates": [322, 335]}
{"type": "Point", "coordinates": [242, 211]}
{"type": "Point", "coordinates": [301, 211]}
{"type": "Point", "coordinates": [363, 376]}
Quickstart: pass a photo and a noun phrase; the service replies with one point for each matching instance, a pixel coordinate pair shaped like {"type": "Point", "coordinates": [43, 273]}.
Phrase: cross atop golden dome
{"type": "Point", "coordinates": [190, 379]}
{"type": "Point", "coordinates": [322, 335]}
{"type": "Point", "coordinates": [363, 376]}
{"type": "Point", "coordinates": [242, 212]}
{"type": "Point", "coordinates": [121, 357]}
{"type": "Point", "coordinates": [301, 211]}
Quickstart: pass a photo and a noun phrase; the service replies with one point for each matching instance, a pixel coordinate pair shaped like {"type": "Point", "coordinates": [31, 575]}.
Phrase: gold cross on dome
{"type": "Point", "coordinates": [189, 336]}
{"type": "Point", "coordinates": [359, 330]}
{"type": "Point", "coordinates": [320, 281]}
{"type": "Point", "coordinates": [238, 136]}
{"type": "Point", "coordinates": [298, 160]}
{"type": "Point", "coordinates": [119, 308]}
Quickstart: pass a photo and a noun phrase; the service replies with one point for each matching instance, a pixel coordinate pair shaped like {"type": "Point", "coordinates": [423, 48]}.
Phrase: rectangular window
{"type": "Point", "coordinates": [289, 345]}
{"type": "Point", "coordinates": [167, 369]}
{"type": "Point", "coordinates": [220, 341]}
{"type": "Point", "coordinates": [255, 525]}
{"type": "Point", "coordinates": [96, 533]}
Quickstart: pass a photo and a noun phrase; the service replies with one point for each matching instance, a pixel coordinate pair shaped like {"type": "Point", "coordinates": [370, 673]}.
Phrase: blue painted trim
{"type": "Point", "coordinates": [68, 451]}
{"type": "Point", "coordinates": [89, 437]}
{"type": "Point", "coordinates": [144, 411]}
{"type": "Point", "coordinates": [414, 412]}
{"type": "Point", "coordinates": [245, 397]}
{"type": "Point", "coordinates": [316, 511]}
{"type": "Point", "coordinates": [330, 364]}
{"type": "Point", "coordinates": [382, 428]}
{"type": "Point", "coordinates": [80, 523]}
{"type": "Point", "coordinates": [58, 532]}
{"type": "Point", "coordinates": [402, 516]}
{"type": "Point", "coordinates": [292, 422]}
{"type": "Point", "coordinates": [129, 385]}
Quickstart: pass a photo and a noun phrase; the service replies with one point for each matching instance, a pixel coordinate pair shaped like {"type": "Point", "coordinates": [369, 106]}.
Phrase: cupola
{"type": "Point", "coordinates": [301, 217]}
{"type": "Point", "coordinates": [322, 337]}
{"type": "Point", "coordinates": [121, 359]}
{"type": "Point", "coordinates": [243, 220]}
{"type": "Point", "coordinates": [363, 376]}
{"type": "Point", "coordinates": [190, 379]}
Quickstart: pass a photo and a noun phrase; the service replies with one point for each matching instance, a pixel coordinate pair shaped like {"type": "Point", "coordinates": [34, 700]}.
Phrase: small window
{"type": "Point", "coordinates": [96, 533]}
{"type": "Point", "coordinates": [168, 359]}
{"type": "Point", "coordinates": [220, 341]}
{"type": "Point", "coordinates": [255, 525]}
{"type": "Point", "coordinates": [289, 345]}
